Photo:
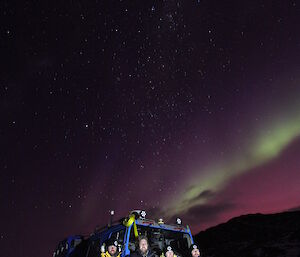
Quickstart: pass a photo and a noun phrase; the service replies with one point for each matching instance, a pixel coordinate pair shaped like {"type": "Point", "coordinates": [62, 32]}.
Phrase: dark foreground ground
{"type": "Point", "coordinates": [254, 235]}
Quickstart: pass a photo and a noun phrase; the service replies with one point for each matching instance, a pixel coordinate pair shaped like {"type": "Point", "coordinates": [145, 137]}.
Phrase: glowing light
{"type": "Point", "coordinates": [267, 146]}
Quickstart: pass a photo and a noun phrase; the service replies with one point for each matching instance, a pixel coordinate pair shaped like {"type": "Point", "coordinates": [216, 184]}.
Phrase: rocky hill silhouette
{"type": "Point", "coordinates": [253, 235]}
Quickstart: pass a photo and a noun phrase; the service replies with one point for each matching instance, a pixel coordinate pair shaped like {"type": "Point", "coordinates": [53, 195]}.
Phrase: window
{"type": "Point", "coordinates": [95, 245]}
{"type": "Point", "coordinates": [160, 238]}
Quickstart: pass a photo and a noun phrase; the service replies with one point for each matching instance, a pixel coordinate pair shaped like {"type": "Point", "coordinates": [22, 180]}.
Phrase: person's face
{"type": "Point", "coordinates": [195, 253]}
{"type": "Point", "coordinates": [169, 254]}
{"type": "Point", "coordinates": [112, 249]}
{"type": "Point", "coordinates": [143, 244]}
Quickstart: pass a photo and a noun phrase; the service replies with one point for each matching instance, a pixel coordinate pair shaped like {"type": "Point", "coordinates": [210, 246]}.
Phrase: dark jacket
{"type": "Point", "coordinates": [139, 254]}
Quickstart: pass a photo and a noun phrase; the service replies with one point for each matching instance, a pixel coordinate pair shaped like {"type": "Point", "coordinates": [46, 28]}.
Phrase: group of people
{"type": "Point", "coordinates": [144, 250]}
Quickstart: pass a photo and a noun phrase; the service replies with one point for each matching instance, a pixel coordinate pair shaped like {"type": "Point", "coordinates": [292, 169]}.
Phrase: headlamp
{"type": "Point", "coordinates": [169, 248]}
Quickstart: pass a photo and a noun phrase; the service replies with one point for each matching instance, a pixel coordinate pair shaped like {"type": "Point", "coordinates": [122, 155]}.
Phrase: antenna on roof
{"type": "Point", "coordinates": [112, 213]}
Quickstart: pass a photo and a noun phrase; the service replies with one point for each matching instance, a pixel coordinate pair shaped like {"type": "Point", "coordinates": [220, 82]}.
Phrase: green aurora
{"type": "Point", "coordinates": [266, 147]}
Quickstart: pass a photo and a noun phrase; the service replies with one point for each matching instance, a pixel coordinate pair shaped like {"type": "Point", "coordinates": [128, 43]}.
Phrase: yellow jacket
{"type": "Point", "coordinates": [162, 255]}
{"type": "Point", "coordinates": [106, 254]}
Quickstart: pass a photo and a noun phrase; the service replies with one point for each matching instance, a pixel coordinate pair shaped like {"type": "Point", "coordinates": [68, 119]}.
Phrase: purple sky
{"type": "Point", "coordinates": [181, 108]}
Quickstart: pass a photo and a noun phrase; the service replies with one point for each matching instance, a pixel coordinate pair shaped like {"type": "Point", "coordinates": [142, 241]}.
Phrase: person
{"type": "Point", "coordinates": [194, 250]}
{"type": "Point", "coordinates": [111, 249]}
{"type": "Point", "coordinates": [143, 248]}
{"type": "Point", "coordinates": [168, 252]}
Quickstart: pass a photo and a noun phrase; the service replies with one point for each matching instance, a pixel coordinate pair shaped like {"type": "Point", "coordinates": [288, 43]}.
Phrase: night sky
{"type": "Point", "coordinates": [181, 108]}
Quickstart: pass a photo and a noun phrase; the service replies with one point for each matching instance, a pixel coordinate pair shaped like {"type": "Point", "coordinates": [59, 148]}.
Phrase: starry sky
{"type": "Point", "coordinates": [181, 108]}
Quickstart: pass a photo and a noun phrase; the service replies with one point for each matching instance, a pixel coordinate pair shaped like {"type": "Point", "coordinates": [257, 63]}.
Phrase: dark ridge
{"type": "Point", "coordinates": [253, 235]}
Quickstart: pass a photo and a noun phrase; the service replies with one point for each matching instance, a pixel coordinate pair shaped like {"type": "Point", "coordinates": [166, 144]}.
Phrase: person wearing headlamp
{"type": "Point", "coordinates": [111, 249]}
{"type": "Point", "coordinates": [194, 250]}
{"type": "Point", "coordinates": [169, 252]}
